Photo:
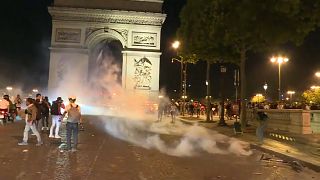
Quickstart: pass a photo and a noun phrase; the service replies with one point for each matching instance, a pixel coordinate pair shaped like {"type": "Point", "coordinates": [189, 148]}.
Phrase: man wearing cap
{"type": "Point", "coordinates": [73, 120]}
{"type": "Point", "coordinates": [56, 117]}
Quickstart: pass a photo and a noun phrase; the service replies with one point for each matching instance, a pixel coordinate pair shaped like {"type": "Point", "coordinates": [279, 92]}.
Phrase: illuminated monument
{"type": "Point", "coordinates": [85, 33]}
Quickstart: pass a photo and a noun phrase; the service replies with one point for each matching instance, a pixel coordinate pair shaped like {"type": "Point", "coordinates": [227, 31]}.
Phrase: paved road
{"type": "Point", "coordinates": [102, 156]}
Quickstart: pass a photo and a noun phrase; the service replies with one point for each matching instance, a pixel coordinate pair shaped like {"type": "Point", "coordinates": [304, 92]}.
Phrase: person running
{"type": "Point", "coordinates": [74, 118]}
{"type": "Point", "coordinates": [56, 117]}
{"type": "Point", "coordinates": [31, 113]}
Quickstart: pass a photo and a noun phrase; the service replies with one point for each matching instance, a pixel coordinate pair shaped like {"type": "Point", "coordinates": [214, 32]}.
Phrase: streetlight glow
{"type": "Point", "coordinates": [35, 90]}
{"type": "Point", "coordinates": [315, 87]}
{"type": "Point", "coordinates": [317, 74]}
{"type": "Point", "coordinates": [176, 44]}
{"type": "Point", "coordinates": [9, 88]}
{"type": "Point", "coordinates": [279, 60]}
{"type": "Point", "coordinates": [291, 92]}
{"type": "Point", "coordinates": [265, 86]}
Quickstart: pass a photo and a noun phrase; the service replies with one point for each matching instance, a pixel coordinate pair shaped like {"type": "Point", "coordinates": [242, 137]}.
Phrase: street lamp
{"type": "Point", "coordinates": [223, 70]}
{"type": "Point", "coordinates": [183, 74]}
{"type": "Point", "coordinates": [35, 90]}
{"type": "Point", "coordinates": [280, 60]}
{"type": "Point", "coordinates": [317, 74]}
{"type": "Point", "coordinates": [176, 44]}
{"type": "Point", "coordinates": [265, 87]}
{"type": "Point", "coordinates": [291, 93]}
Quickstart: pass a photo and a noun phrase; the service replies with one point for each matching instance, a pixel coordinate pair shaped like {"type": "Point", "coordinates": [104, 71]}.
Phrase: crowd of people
{"type": "Point", "coordinates": [37, 115]}
{"type": "Point", "coordinates": [196, 109]}
{"type": "Point", "coordinates": [282, 105]}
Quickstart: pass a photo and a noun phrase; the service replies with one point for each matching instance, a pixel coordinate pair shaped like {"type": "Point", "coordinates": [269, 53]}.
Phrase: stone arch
{"type": "Point", "coordinates": [100, 35]}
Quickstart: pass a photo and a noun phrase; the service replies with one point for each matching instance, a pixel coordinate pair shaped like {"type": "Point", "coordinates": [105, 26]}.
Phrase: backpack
{"type": "Point", "coordinates": [74, 114]}
{"type": "Point", "coordinates": [38, 107]}
{"type": "Point", "coordinates": [55, 108]}
{"type": "Point", "coordinates": [44, 108]}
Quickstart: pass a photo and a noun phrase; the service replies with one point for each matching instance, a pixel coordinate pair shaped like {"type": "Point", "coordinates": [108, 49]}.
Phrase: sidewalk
{"type": "Point", "coordinates": [302, 148]}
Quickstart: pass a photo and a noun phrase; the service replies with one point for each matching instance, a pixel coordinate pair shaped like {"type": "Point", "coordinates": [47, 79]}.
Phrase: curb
{"type": "Point", "coordinates": [266, 150]}
{"type": "Point", "coordinates": [286, 157]}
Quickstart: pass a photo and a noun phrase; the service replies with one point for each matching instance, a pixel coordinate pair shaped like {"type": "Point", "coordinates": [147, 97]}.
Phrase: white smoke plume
{"type": "Point", "coordinates": [188, 140]}
{"type": "Point", "coordinates": [124, 116]}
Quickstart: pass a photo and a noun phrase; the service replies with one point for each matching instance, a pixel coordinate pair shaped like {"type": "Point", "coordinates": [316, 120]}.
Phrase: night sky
{"type": "Point", "coordinates": [24, 55]}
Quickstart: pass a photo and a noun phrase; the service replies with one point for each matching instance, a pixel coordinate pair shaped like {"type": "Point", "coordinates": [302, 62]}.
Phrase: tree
{"type": "Point", "coordinates": [312, 96]}
{"type": "Point", "coordinates": [247, 25]}
{"type": "Point", "coordinates": [258, 98]}
{"type": "Point", "coordinates": [201, 40]}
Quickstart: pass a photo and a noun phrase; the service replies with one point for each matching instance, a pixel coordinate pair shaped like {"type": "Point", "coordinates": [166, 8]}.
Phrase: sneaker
{"type": "Point", "coordinates": [39, 143]}
{"type": "Point", "coordinates": [23, 144]}
{"type": "Point", "coordinates": [57, 137]}
{"type": "Point", "coordinates": [51, 136]}
{"type": "Point", "coordinates": [33, 134]}
{"type": "Point", "coordinates": [43, 128]}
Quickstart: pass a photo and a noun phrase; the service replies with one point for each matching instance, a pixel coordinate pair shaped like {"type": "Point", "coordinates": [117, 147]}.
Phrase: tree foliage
{"type": "Point", "coordinates": [198, 35]}
{"type": "Point", "coordinates": [229, 29]}
{"type": "Point", "coordinates": [258, 99]}
{"type": "Point", "coordinates": [312, 96]}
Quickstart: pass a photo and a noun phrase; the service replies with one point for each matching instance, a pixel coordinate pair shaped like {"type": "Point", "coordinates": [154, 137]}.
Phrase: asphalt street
{"type": "Point", "coordinates": [101, 156]}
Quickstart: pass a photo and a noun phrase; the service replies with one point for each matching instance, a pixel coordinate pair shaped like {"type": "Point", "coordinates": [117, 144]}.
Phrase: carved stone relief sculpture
{"type": "Point", "coordinates": [144, 39]}
{"type": "Point", "coordinates": [142, 73]}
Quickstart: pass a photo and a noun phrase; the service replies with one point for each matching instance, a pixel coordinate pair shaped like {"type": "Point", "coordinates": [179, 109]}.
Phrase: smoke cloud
{"type": "Point", "coordinates": [188, 140]}
{"type": "Point", "coordinates": [126, 114]}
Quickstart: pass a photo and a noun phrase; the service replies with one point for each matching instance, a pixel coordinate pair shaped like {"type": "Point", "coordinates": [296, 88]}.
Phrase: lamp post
{"type": "Point", "coordinates": [291, 93]}
{"type": "Point", "coordinates": [223, 70]}
{"type": "Point", "coordinates": [183, 74]}
{"type": "Point", "coordinates": [279, 60]}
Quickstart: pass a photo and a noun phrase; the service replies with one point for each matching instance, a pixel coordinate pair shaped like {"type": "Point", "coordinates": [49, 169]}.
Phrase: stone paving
{"type": "Point", "coordinates": [102, 156]}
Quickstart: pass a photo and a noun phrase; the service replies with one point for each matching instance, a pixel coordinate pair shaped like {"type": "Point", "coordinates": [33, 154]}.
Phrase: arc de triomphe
{"type": "Point", "coordinates": [78, 26]}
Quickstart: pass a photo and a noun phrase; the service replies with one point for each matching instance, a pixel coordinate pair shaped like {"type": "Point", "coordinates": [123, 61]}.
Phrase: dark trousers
{"type": "Point", "coordinates": [72, 129]}
{"type": "Point", "coordinates": [45, 120]}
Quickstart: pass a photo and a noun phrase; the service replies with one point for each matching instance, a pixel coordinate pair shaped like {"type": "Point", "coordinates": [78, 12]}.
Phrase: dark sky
{"type": "Point", "coordinates": [24, 56]}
